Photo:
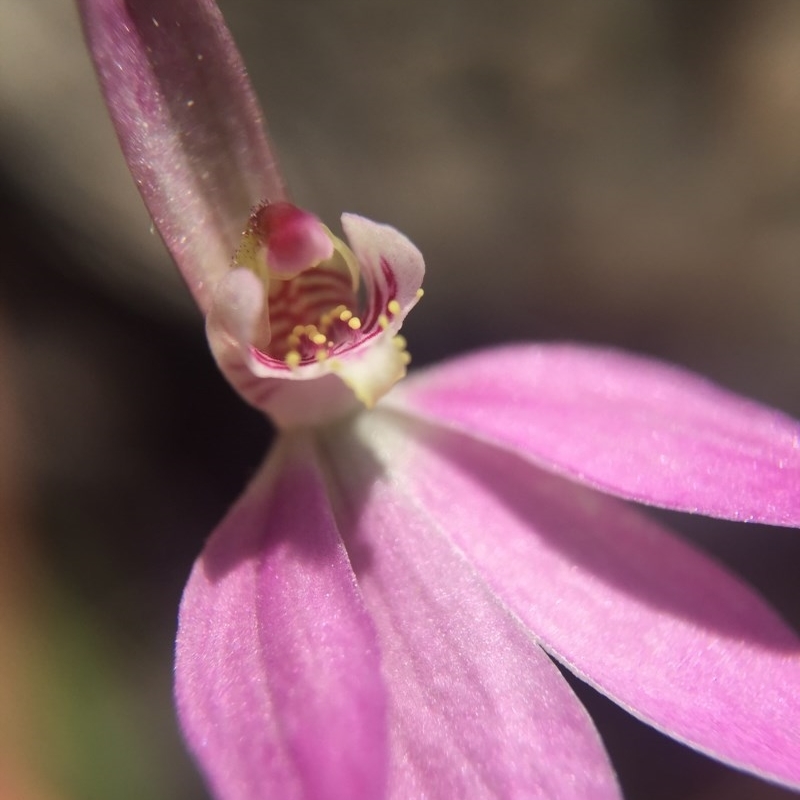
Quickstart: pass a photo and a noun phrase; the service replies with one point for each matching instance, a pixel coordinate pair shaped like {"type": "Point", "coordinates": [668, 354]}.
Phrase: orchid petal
{"type": "Point", "coordinates": [278, 681]}
{"type": "Point", "coordinates": [626, 425]}
{"type": "Point", "coordinates": [648, 620]}
{"type": "Point", "coordinates": [476, 708]}
{"type": "Point", "coordinates": [188, 122]}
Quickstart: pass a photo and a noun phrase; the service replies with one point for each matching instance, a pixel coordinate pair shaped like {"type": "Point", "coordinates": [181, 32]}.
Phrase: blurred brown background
{"type": "Point", "coordinates": [616, 171]}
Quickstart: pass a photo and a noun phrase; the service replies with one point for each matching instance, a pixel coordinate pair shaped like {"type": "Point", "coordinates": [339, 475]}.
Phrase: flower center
{"type": "Point", "coordinates": [311, 277]}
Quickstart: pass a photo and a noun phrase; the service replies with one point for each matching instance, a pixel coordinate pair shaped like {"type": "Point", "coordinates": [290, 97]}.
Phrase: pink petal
{"type": "Point", "coordinates": [188, 122]}
{"type": "Point", "coordinates": [648, 620]}
{"type": "Point", "coordinates": [476, 708]}
{"type": "Point", "coordinates": [623, 424]}
{"type": "Point", "coordinates": [278, 680]}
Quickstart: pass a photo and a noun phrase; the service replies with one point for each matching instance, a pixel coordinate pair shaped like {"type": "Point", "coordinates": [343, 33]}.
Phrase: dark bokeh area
{"type": "Point", "coordinates": [624, 172]}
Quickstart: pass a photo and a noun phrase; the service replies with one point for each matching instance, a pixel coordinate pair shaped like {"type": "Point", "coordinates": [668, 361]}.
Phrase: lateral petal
{"type": "Point", "coordinates": [278, 681]}
{"type": "Point", "coordinates": [626, 425]}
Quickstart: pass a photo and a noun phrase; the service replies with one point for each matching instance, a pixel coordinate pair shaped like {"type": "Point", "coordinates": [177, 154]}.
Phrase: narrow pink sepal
{"type": "Point", "coordinates": [476, 709]}
{"type": "Point", "coordinates": [648, 620]}
{"type": "Point", "coordinates": [627, 425]}
{"type": "Point", "coordinates": [277, 675]}
{"type": "Point", "coordinates": [189, 125]}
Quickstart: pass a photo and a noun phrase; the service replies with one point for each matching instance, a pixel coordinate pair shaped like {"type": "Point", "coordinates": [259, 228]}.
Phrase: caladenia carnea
{"type": "Point", "coordinates": [376, 616]}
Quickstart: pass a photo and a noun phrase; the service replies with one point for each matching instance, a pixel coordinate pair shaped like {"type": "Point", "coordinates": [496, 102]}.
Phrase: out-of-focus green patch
{"type": "Point", "coordinates": [105, 720]}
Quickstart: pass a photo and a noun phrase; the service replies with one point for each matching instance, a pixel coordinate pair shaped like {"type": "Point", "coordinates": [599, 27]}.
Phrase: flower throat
{"type": "Point", "coordinates": [312, 282]}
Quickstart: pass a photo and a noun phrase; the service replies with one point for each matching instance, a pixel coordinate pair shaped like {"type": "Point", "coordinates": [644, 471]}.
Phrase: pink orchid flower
{"type": "Point", "coordinates": [376, 616]}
